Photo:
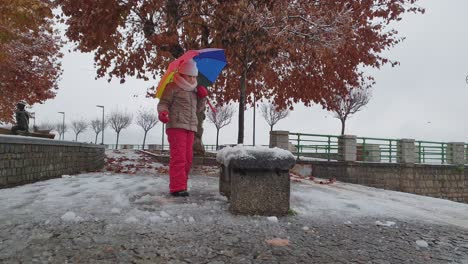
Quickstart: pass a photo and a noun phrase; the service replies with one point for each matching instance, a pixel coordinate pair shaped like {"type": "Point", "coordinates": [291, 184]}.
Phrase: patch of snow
{"type": "Point", "coordinates": [115, 210]}
{"type": "Point", "coordinates": [155, 218]}
{"type": "Point", "coordinates": [225, 155]}
{"type": "Point", "coordinates": [272, 219]}
{"type": "Point", "coordinates": [345, 201]}
{"type": "Point", "coordinates": [164, 214]}
{"type": "Point", "coordinates": [131, 219]}
{"type": "Point", "coordinates": [422, 243]}
{"type": "Point", "coordinates": [386, 223]}
{"type": "Point", "coordinates": [71, 217]}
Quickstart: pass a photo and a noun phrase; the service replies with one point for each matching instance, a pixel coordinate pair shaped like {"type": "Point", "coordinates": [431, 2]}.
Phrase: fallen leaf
{"type": "Point", "coordinates": [278, 242]}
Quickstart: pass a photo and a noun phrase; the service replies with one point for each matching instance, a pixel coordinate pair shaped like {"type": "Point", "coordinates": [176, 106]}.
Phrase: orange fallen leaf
{"type": "Point", "coordinates": [278, 242]}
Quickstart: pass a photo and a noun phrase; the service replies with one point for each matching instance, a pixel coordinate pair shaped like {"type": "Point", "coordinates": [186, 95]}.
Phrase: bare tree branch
{"type": "Point", "coordinates": [146, 119]}
{"type": "Point", "coordinates": [221, 118]}
{"type": "Point", "coordinates": [96, 125]}
{"type": "Point", "coordinates": [344, 106]}
{"type": "Point", "coordinates": [61, 129]}
{"type": "Point", "coordinates": [78, 127]}
{"type": "Point", "coordinates": [118, 121]}
{"type": "Point", "coordinates": [273, 115]}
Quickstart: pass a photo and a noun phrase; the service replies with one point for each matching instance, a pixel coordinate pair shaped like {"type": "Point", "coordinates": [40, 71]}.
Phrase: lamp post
{"type": "Point", "coordinates": [63, 125]}
{"type": "Point", "coordinates": [102, 125]}
{"type": "Point", "coordinates": [254, 106]}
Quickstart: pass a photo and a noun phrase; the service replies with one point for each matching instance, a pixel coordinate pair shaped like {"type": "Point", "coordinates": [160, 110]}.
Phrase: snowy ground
{"type": "Point", "coordinates": [125, 214]}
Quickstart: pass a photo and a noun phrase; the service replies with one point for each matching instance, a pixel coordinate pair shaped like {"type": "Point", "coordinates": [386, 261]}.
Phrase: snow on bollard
{"type": "Point", "coordinates": [256, 179]}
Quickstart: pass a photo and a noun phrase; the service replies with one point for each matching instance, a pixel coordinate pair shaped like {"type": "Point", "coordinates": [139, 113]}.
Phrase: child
{"type": "Point", "coordinates": [181, 101]}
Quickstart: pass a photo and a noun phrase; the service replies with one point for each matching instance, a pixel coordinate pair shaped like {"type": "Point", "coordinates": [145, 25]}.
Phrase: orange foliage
{"type": "Point", "coordinates": [29, 54]}
{"type": "Point", "coordinates": [300, 51]}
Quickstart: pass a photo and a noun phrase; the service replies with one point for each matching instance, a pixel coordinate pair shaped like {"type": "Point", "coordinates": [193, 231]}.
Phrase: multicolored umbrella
{"type": "Point", "coordinates": [210, 62]}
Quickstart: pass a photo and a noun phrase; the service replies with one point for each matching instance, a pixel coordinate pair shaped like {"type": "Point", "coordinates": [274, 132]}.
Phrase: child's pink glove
{"type": "Point", "coordinates": [164, 116]}
{"type": "Point", "coordinates": [202, 92]}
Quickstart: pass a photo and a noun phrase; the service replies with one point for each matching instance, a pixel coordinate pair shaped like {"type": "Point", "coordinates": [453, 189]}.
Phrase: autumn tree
{"type": "Point", "coordinates": [119, 120]}
{"type": "Point", "coordinates": [97, 126]}
{"type": "Point", "coordinates": [300, 51]}
{"type": "Point", "coordinates": [79, 126]}
{"type": "Point", "coordinates": [344, 106]}
{"type": "Point", "coordinates": [146, 119]}
{"type": "Point", "coordinates": [221, 117]}
{"type": "Point", "coordinates": [273, 114]}
{"type": "Point", "coordinates": [29, 54]}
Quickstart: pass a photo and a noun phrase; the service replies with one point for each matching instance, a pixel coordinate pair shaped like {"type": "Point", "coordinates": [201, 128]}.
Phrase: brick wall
{"type": "Point", "coordinates": [28, 159]}
{"type": "Point", "coordinates": [441, 181]}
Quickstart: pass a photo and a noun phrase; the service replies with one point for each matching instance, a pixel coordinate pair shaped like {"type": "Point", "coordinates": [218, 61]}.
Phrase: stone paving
{"type": "Point", "coordinates": [199, 229]}
{"type": "Point", "coordinates": [240, 240]}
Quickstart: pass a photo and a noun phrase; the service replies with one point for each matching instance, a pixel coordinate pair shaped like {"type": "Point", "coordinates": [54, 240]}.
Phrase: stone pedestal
{"type": "Point", "coordinates": [406, 151]}
{"type": "Point", "coordinates": [347, 148]}
{"type": "Point", "coordinates": [279, 139]}
{"type": "Point", "coordinates": [256, 179]}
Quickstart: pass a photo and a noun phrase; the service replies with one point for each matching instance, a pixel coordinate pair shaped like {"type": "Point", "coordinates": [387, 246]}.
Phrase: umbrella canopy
{"type": "Point", "coordinates": [210, 62]}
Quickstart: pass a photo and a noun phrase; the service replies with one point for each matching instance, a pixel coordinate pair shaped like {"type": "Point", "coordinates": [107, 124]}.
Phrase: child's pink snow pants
{"type": "Point", "coordinates": [181, 156]}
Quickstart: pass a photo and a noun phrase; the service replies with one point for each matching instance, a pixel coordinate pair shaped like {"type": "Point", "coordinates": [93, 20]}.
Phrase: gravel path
{"type": "Point", "coordinates": [121, 218]}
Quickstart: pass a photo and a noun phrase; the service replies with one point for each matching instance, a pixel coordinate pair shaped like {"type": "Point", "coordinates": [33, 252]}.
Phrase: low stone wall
{"type": "Point", "coordinates": [440, 181]}
{"type": "Point", "coordinates": [27, 159]}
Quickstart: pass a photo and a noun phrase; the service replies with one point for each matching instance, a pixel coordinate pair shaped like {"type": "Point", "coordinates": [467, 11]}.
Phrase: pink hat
{"type": "Point", "coordinates": [189, 68]}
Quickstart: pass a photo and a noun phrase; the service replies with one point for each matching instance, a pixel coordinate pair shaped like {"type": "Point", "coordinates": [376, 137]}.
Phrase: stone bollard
{"type": "Point", "coordinates": [347, 148]}
{"type": "Point", "coordinates": [406, 151]}
{"type": "Point", "coordinates": [279, 139]}
{"type": "Point", "coordinates": [256, 179]}
{"type": "Point", "coordinates": [456, 153]}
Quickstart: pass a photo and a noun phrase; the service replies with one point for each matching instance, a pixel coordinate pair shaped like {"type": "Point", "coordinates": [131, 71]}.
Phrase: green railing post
{"type": "Point", "coordinates": [443, 153]}
{"type": "Point", "coordinates": [328, 148]}
{"type": "Point", "coordinates": [299, 148]}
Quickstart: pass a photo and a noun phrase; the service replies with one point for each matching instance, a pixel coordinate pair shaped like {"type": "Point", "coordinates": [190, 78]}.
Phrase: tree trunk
{"type": "Point", "coordinates": [343, 121]}
{"type": "Point", "coordinates": [271, 128]}
{"type": "Point", "coordinates": [144, 141]}
{"type": "Point", "coordinates": [95, 141]}
{"type": "Point", "coordinates": [198, 148]}
{"type": "Point", "coordinates": [117, 142]}
{"type": "Point", "coordinates": [240, 135]}
{"type": "Point", "coordinates": [217, 136]}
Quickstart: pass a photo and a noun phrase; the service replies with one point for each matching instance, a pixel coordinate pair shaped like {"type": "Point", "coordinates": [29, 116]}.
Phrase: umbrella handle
{"type": "Point", "coordinates": [211, 107]}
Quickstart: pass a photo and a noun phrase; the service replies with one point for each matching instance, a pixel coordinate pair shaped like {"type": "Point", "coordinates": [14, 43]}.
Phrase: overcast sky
{"type": "Point", "coordinates": [423, 98]}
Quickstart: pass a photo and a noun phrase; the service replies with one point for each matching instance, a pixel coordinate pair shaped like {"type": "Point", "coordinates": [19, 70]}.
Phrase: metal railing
{"type": "Point", "coordinates": [431, 152]}
{"type": "Point", "coordinates": [317, 146]}
{"type": "Point", "coordinates": [376, 149]}
{"type": "Point", "coordinates": [314, 146]}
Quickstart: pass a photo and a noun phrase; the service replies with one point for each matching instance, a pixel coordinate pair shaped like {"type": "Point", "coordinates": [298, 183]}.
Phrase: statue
{"type": "Point", "coordinates": [22, 118]}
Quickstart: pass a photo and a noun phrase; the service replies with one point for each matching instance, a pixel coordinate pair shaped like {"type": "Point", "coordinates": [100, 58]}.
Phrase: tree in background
{"type": "Point", "coordinates": [29, 54]}
{"type": "Point", "coordinates": [61, 129]}
{"type": "Point", "coordinates": [344, 106]}
{"type": "Point", "coordinates": [96, 125]}
{"type": "Point", "coordinates": [272, 114]}
{"type": "Point", "coordinates": [118, 121]}
{"type": "Point", "coordinates": [221, 118]}
{"type": "Point", "coordinates": [300, 51]}
{"type": "Point", "coordinates": [146, 119]}
{"type": "Point", "coordinates": [78, 127]}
